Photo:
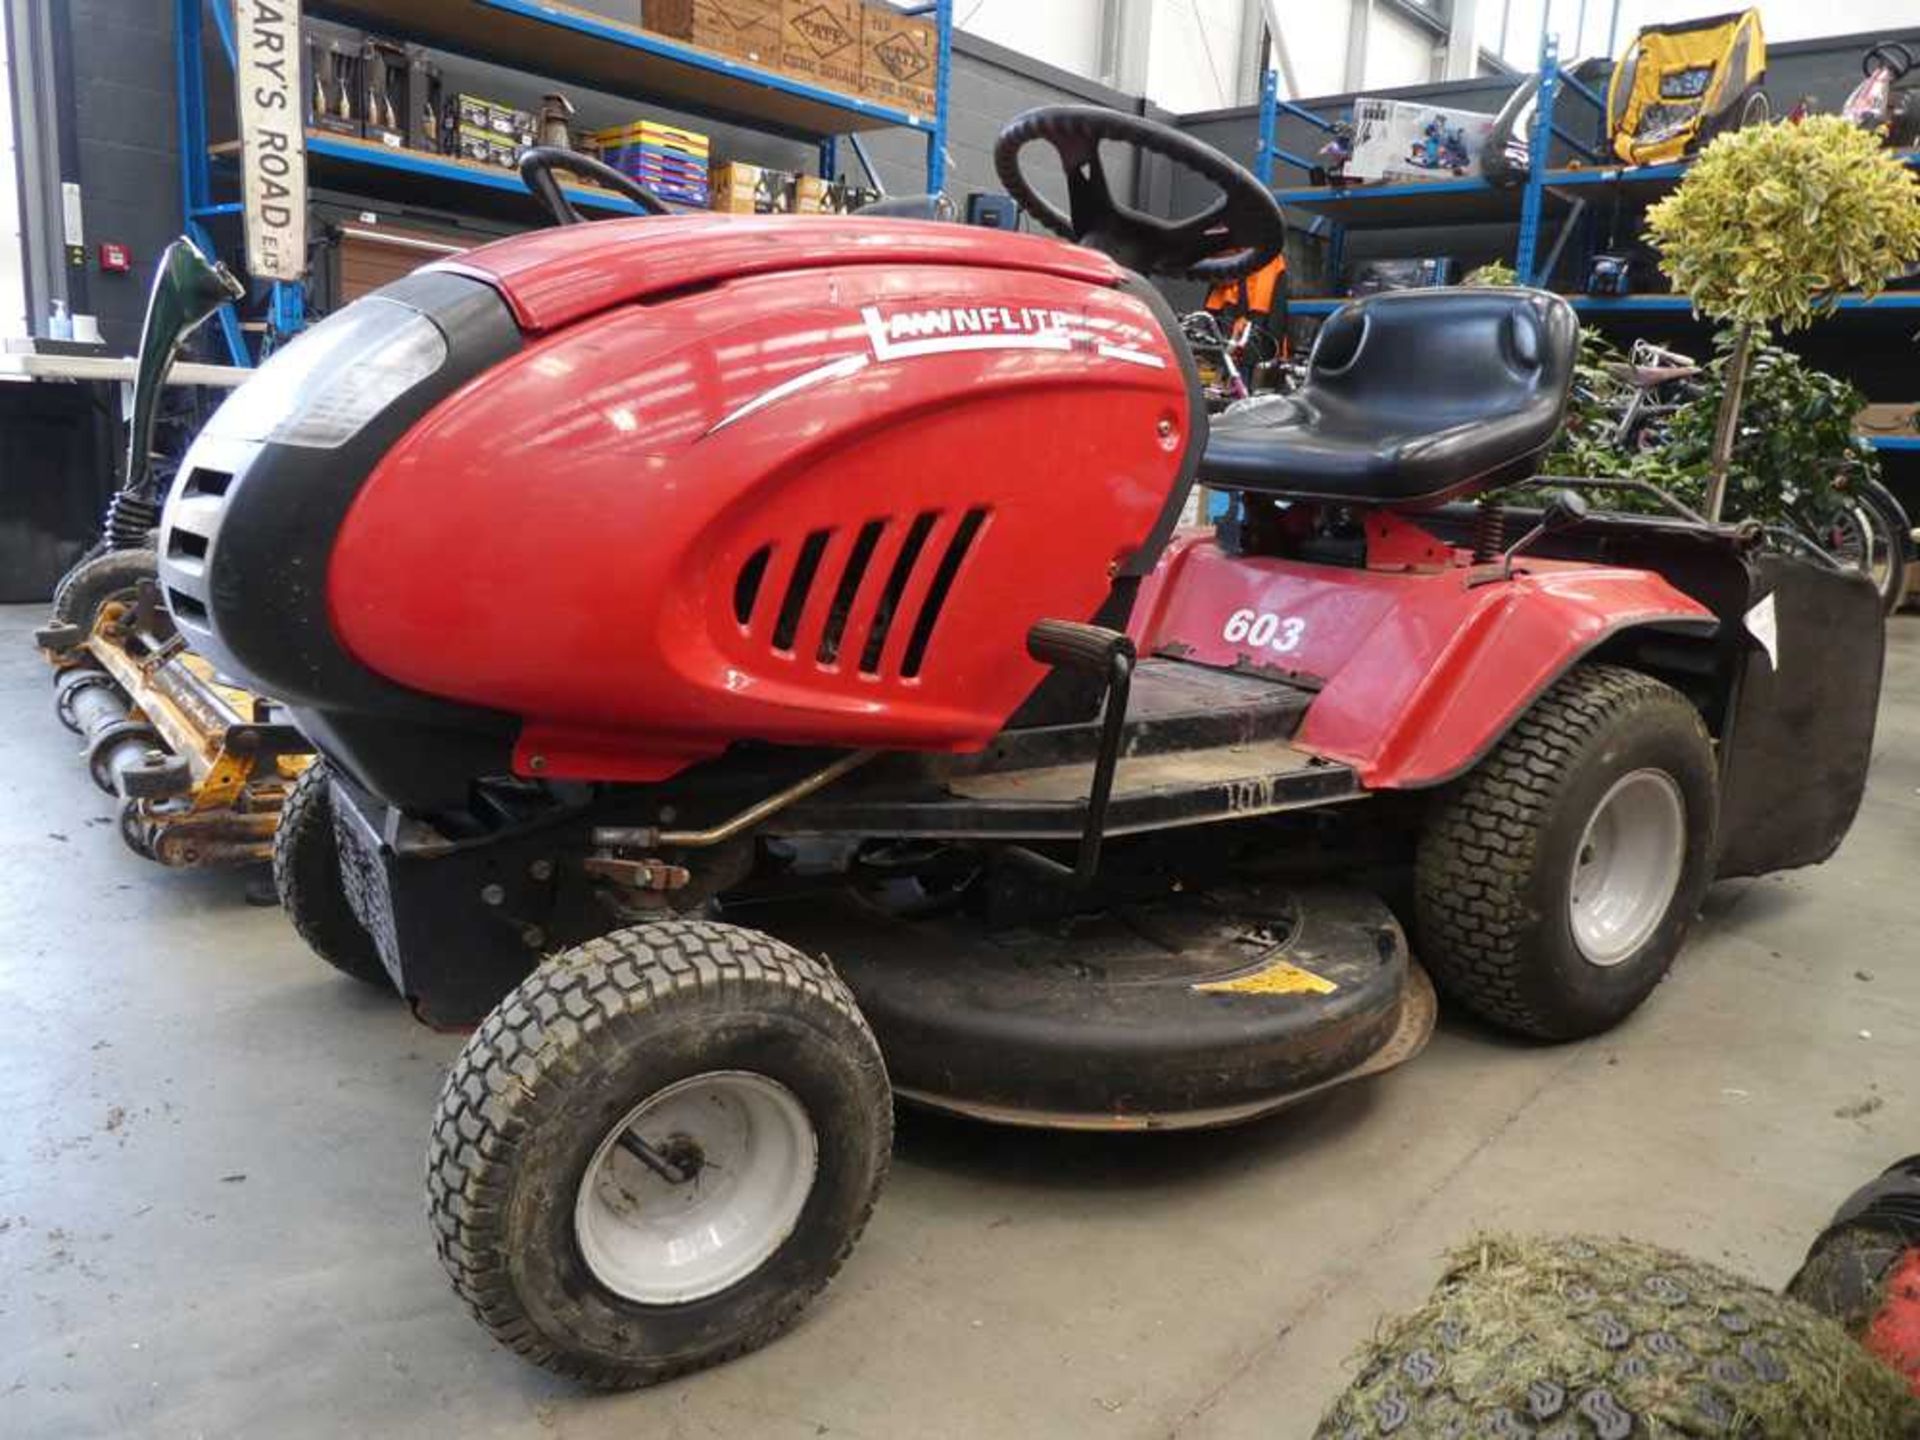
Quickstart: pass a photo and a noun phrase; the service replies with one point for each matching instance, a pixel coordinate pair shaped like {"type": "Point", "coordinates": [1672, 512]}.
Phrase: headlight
{"type": "Point", "coordinates": [325, 386]}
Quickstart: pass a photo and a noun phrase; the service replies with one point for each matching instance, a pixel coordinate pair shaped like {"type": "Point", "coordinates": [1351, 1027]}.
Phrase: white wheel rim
{"type": "Point", "coordinates": [1627, 867]}
{"type": "Point", "coordinates": [745, 1154]}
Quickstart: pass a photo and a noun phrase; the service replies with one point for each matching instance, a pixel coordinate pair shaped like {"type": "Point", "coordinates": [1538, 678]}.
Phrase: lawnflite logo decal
{"type": "Point", "coordinates": [958, 329]}
{"type": "Point", "coordinates": [910, 334]}
{"type": "Point", "coordinates": [822, 31]}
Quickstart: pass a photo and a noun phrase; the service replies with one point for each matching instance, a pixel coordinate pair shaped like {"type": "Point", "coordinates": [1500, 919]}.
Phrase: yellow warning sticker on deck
{"type": "Point", "coordinates": [1280, 977]}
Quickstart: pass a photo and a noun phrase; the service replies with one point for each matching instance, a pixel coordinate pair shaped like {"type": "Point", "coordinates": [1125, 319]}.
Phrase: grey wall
{"type": "Point", "coordinates": [126, 128]}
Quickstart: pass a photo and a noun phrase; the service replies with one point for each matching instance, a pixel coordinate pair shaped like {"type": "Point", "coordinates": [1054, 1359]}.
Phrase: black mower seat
{"type": "Point", "coordinates": [1413, 397]}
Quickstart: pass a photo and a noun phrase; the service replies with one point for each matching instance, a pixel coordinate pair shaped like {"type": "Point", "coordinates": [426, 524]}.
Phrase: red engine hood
{"type": "Point", "coordinates": [554, 277]}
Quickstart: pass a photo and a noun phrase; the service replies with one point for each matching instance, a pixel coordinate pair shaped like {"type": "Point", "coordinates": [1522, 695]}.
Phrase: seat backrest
{"type": "Point", "coordinates": [1422, 361]}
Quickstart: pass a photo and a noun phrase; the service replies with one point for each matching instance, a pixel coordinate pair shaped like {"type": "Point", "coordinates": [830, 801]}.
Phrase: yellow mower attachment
{"type": "Point", "coordinates": [1680, 85]}
{"type": "Point", "coordinates": [201, 766]}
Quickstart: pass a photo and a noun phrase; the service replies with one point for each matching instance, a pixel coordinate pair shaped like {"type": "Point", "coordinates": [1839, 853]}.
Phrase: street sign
{"type": "Point", "coordinates": [273, 142]}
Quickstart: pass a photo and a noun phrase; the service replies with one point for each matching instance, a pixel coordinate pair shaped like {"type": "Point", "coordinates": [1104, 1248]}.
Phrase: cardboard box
{"type": "Point", "coordinates": [672, 18]}
{"type": "Point", "coordinates": [899, 57]}
{"type": "Point", "coordinates": [811, 195]}
{"type": "Point", "coordinates": [472, 112]}
{"type": "Point", "coordinates": [1402, 140]}
{"type": "Point", "coordinates": [820, 42]}
{"type": "Point", "coordinates": [483, 147]}
{"type": "Point", "coordinates": [504, 122]}
{"type": "Point", "coordinates": [742, 189]}
{"type": "Point", "coordinates": [744, 29]}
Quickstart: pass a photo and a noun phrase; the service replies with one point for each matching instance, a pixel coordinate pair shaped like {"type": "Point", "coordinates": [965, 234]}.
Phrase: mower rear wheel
{"type": "Point", "coordinates": [1557, 880]}
{"type": "Point", "coordinates": [657, 1150]}
{"type": "Point", "coordinates": [306, 874]}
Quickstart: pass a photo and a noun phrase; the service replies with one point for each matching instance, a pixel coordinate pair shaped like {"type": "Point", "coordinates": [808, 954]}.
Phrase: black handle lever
{"type": "Point", "coordinates": [1095, 650]}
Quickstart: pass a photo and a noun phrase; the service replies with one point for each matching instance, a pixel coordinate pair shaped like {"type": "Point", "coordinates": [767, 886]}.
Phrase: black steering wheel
{"type": "Point", "coordinates": [536, 170]}
{"type": "Point", "coordinates": [1239, 233]}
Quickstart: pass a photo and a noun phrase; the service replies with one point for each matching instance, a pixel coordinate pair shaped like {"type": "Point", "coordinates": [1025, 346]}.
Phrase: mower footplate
{"type": "Point", "coordinates": [1192, 1011]}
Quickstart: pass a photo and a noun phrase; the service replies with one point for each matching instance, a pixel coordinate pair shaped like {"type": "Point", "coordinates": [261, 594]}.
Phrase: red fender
{"type": "Point", "coordinates": [1419, 672]}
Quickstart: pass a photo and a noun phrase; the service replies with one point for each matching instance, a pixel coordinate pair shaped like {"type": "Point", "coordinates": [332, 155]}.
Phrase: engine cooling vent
{"type": "Point", "coordinates": [192, 519]}
{"type": "Point", "coordinates": [844, 592]}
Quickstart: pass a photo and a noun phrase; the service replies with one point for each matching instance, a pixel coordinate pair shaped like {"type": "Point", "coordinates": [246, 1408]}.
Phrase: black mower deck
{"type": "Point", "coordinates": [1192, 1011]}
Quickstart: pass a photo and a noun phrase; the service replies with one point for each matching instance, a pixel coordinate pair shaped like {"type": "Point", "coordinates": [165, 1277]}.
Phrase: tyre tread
{"type": "Point", "coordinates": [309, 885]}
{"type": "Point", "coordinates": [1478, 847]}
{"type": "Point", "coordinates": [97, 577]}
{"type": "Point", "coordinates": [495, 1091]}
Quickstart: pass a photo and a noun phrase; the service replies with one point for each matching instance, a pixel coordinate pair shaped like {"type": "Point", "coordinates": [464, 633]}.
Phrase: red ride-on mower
{"type": "Point", "coordinates": [755, 670]}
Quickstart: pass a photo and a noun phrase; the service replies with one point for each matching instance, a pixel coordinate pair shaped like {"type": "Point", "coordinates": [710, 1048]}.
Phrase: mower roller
{"type": "Point", "coordinates": [199, 764]}
{"type": "Point", "coordinates": [755, 670]}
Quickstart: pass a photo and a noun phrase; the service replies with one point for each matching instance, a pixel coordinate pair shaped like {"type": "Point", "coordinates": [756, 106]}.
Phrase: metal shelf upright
{"type": "Point", "coordinates": [1458, 201]}
{"type": "Point", "coordinates": [557, 43]}
{"type": "Point", "coordinates": [1470, 201]}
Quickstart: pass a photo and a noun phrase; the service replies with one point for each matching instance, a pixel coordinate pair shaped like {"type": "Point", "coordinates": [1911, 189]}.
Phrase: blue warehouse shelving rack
{"type": "Point", "coordinates": [1550, 193]}
{"type": "Point", "coordinates": [560, 45]}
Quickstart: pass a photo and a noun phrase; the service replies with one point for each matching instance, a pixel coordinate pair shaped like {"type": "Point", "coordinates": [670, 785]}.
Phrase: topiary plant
{"type": "Point", "coordinates": [1772, 225]}
{"type": "Point", "coordinates": [1494, 272]}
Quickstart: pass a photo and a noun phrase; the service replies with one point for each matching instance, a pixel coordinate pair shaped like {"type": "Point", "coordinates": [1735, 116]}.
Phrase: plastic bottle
{"type": "Point", "coordinates": [60, 325]}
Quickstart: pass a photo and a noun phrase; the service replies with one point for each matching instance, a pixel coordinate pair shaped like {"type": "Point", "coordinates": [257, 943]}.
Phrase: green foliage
{"type": "Point", "coordinates": [1774, 222]}
{"type": "Point", "coordinates": [1494, 272]}
{"type": "Point", "coordinates": [1795, 445]}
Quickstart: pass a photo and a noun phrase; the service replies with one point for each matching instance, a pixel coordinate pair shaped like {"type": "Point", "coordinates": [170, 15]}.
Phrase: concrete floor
{"type": "Point", "coordinates": [211, 1153]}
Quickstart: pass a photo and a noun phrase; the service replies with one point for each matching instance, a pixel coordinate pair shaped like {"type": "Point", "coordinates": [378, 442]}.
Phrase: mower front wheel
{"type": "Point", "coordinates": [657, 1150]}
{"type": "Point", "coordinates": [306, 875]}
{"type": "Point", "coordinates": [1556, 881]}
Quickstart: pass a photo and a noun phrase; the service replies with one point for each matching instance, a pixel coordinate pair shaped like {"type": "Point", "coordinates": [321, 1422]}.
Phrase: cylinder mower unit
{"type": "Point", "coordinates": [200, 766]}
{"type": "Point", "coordinates": [678, 602]}
{"type": "Point", "coordinates": [1679, 85]}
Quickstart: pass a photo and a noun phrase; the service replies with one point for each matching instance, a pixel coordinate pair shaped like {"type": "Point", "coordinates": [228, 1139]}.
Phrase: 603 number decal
{"type": "Point", "coordinates": [1265, 630]}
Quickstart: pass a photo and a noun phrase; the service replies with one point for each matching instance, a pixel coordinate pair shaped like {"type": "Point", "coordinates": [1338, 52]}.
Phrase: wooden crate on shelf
{"type": "Point", "coordinates": [899, 57]}
{"type": "Point", "coordinates": [672, 18]}
{"type": "Point", "coordinates": [740, 29]}
{"type": "Point", "coordinates": [820, 42]}
{"type": "Point", "coordinates": [745, 29]}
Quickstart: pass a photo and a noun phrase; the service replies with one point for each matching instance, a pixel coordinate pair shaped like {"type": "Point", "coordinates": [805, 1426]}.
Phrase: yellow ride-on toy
{"type": "Point", "coordinates": [201, 766]}
{"type": "Point", "coordinates": [1680, 85]}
